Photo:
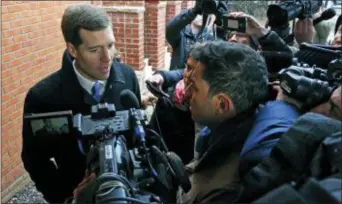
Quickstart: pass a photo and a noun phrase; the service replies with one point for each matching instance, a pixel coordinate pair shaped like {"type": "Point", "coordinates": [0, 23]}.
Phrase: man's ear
{"type": "Point", "coordinates": [71, 49]}
{"type": "Point", "coordinates": [223, 103]}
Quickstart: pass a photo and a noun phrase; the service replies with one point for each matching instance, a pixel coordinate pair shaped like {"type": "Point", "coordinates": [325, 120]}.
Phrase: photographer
{"type": "Point", "coordinates": [257, 36]}
{"type": "Point", "coordinates": [275, 118]}
{"type": "Point", "coordinates": [185, 29]}
{"type": "Point", "coordinates": [89, 75]}
{"type": "Point", "coordinates": [227, 83]}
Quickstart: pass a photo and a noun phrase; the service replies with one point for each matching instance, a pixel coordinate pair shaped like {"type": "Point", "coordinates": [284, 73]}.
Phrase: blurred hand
{"type": "Point", "coordinates": [87, 179]}
{"type": "Point", "coordinates": [304, 31]}
{"type": "Point", "coordinates": [148, 99]}
{"type": "Point", "coordinates": [156, 79]}
{"type": "Point", "coordinates": [333, 107]}
{"type": "Point", "coordinates": [253, 26]}
{"type": "Point", "coordinates": [282, 96]}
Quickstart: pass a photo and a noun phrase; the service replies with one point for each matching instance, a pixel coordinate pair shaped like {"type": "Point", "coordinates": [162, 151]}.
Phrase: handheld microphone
{"type": "Point", "coordinates": [130, 102]}
{"type": "Point", "coordinates": [326, 15]}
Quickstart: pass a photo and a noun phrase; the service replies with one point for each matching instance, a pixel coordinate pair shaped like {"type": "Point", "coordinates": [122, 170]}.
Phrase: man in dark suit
{"type": "Point", "coordinates": [89, 75]}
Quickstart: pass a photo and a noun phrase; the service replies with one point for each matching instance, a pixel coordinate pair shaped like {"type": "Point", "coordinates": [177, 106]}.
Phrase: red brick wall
{"type": "Point", "coordinates": [128, 25]}
{"type": "Point", "coordinates": [32, 48]}
{"type": "Point", "coordinates": [155, 15]}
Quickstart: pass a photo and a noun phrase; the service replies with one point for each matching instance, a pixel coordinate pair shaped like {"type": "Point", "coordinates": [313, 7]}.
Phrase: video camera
{"type": "Point", "coordinates": [279, 15]}
{"type": "Point", "coordinates": [311, 85]}
{"type": "Point", "coordinates": [143, 173]}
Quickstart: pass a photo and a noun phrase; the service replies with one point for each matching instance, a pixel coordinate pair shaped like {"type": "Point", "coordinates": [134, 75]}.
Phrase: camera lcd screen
{"type": "Point", "coordinates": [50, 124]}
{"type": "Point", "coordinates": [233, 24]}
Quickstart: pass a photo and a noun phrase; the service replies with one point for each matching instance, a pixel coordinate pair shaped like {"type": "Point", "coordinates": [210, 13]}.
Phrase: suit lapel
{"type": "Point", "coordinates": [115, 84]}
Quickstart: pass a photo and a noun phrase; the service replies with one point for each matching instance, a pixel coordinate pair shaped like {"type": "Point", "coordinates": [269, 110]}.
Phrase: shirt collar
{"type": "Point", "coordinates": [87, 84]}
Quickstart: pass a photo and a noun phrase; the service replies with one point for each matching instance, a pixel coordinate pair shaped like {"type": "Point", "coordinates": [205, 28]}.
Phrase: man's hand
{"type": "Point", "coordinates": [148, 99]}
{"type": "Point", "coordinates": [156, 79]}
{"type": "Point", "coordinates": [87, 179]}
{"type": "Point", "coordinates": [282, 96]}
{"type": "Point", "coordinates": [333, 107]}
{"type": "Point", "coordinates": [253, 26]}
{"type": "Point", "coordinates": [304, 31]}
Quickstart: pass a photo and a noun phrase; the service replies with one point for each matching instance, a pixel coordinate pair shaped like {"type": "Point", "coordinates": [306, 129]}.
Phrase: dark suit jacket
{"type": "Point", "coordinates": [57, 92]}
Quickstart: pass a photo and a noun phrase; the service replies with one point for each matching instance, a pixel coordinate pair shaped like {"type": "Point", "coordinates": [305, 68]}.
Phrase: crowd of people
{"type": "Point", "coordinates": [224, 122]}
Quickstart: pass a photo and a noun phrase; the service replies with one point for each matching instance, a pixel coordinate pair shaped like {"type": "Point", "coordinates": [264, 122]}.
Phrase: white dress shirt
{"type": "Point", "coordinates": [88, 84]}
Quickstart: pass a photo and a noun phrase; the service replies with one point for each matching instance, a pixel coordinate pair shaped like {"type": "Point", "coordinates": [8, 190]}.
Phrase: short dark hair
{"type": "Point", "coordinates": [234, 69]}
{"type": "Point", "coordinates": [338, 23]}
{"type": "Point", "coordinates": [83, 16]}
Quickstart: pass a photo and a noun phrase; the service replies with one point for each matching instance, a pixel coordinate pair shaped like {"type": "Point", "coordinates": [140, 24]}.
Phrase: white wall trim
{"type": "Point", "coordinates": [125, 9]}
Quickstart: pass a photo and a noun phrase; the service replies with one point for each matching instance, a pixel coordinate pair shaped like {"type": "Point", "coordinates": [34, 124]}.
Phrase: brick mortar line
{"type": "Point", "coordinates": [15, 187]}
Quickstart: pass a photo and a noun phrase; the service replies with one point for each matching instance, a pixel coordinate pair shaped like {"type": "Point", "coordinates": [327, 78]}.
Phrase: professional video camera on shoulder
{"type": "Point", "coordinates": [311, 85]}
{"type": "Point", "coordinates": [138, 173]}
{"type": "Point", "coordinates": [279, 15]}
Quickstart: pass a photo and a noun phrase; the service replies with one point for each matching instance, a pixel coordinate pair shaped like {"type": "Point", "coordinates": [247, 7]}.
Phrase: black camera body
{"type": "Point", "coordinates": [308, 85]}
{"type": "Point", "coordinates": [126, 171]}
{"type": "Point", "coordinates": [209, 6]}
{"type": "Point", "coordinates": [279, 15]}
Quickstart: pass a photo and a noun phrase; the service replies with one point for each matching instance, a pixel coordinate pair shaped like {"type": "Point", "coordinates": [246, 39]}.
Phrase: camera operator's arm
{"type": "Point", "coordinates": [272, 121]}
{"type": "Point", "coordinates": [268, 40]}
{"type": "Point", "coordinates": [36, 154]}
{"type": "Point", "coordinates": [222, 9]}
{"type": "Point", "coordinates": [178, 23]}
{"type": "Point", "coordinates": [166, 79]}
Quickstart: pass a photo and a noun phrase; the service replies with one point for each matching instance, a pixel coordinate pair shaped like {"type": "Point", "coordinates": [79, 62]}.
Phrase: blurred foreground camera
{"type": "Point", "coordinates": [307, 85]}
{"type": "Point", "coordinates": [209, 6]}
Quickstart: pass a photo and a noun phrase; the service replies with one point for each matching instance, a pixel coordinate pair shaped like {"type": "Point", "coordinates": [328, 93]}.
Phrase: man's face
{"type": "Point", "coordinates": [201, 103]}
{"type": "Point", "coordinates": [237, 37]}
{"type": "Point", "coordinates": [332, 108]}
{"type": "Point", "coordinates": [338, 37]}
{"type": "Point", "coordinates": [94, 56]}
{"type": "Point", "coordinates": [198, 21]}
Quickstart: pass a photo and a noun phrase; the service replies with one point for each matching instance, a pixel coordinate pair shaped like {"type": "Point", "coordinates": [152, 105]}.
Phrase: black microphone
{"type": "Point", "coordinates": [129, 101]}
{"type": "Point", "coordinates": [326, 15]}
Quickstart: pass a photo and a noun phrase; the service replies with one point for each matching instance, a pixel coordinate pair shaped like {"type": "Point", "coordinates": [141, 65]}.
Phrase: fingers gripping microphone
{"type": "Point", "coordinates": [326, 15]}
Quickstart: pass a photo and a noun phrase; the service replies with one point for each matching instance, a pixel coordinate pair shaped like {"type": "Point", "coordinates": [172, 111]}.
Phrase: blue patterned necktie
{"type": "Point", "coordinates": [96, 91]}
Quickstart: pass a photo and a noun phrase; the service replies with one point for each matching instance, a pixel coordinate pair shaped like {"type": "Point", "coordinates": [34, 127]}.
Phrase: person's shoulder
{"type": "Point", "coordinates": [125, 69]}
{"type": "Point", "coordinates": [123, 66]}
{"type": "Point", "coordinates": [46, 86]}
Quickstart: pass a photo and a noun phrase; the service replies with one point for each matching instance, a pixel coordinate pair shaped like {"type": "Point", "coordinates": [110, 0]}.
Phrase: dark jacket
{"type": "Point", "coordinates": [214, 173]}
{"type": "Point", "coordinates": [61, 91]}
{"type": "Point", "coordinates": [272, 121]}
{"type": "Point", "coordinates": [180, 37]}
